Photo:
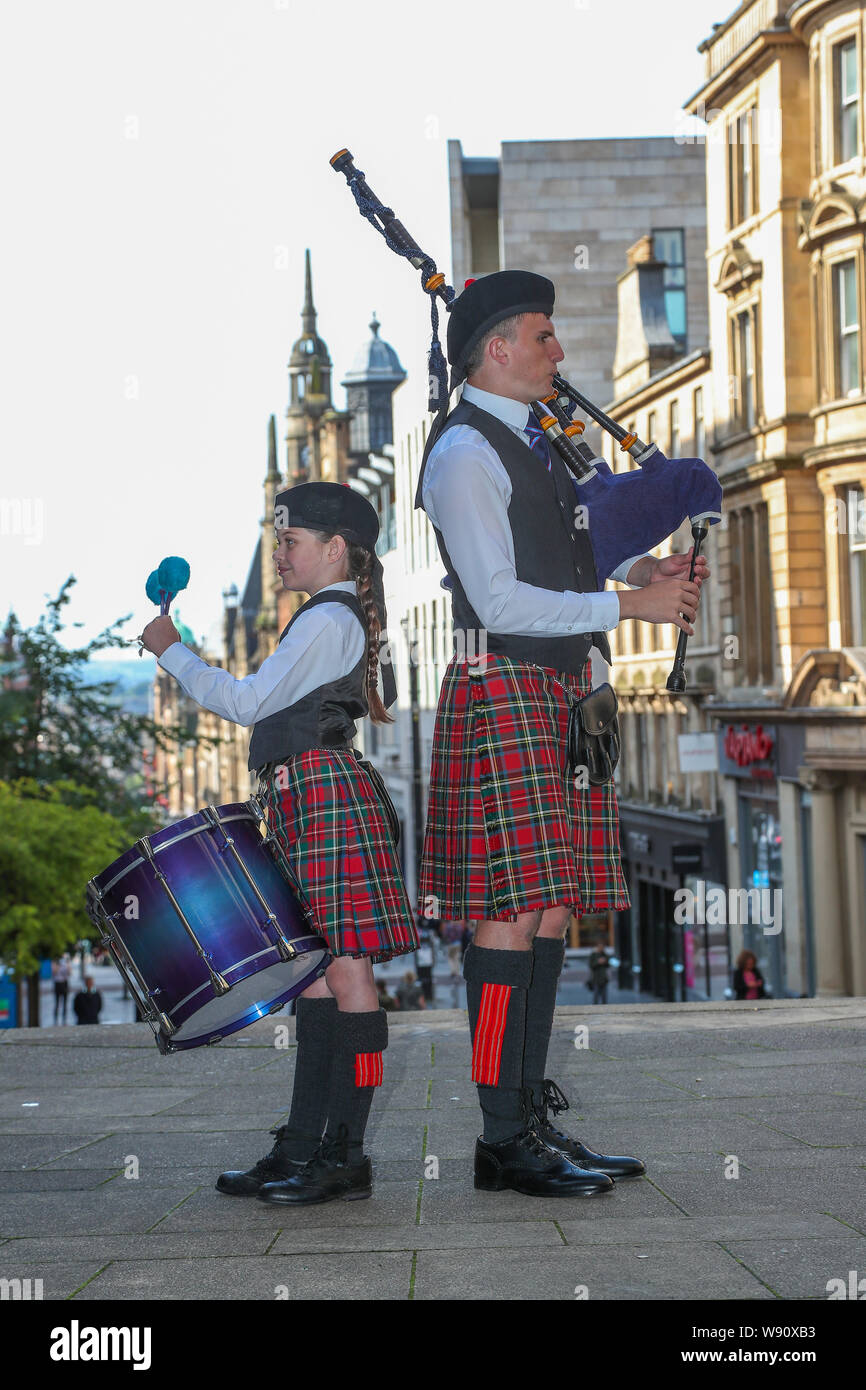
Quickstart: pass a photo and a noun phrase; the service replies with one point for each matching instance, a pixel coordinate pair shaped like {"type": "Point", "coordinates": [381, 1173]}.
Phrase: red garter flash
{"type": "Point", "coordinates": [368, 1069]}
{"type": "Point", "coordinates": [489, 1034]}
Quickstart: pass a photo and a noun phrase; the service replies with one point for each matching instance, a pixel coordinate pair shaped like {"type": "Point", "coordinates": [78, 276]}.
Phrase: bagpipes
{"type": "Point", "coordinates": [628, 513]}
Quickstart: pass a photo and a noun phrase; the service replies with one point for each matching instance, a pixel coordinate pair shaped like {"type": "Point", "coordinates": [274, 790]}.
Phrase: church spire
{"type": "Point", "coordinates": [308, 313]}
{"type": "Point", "coordinates": [273, 470]}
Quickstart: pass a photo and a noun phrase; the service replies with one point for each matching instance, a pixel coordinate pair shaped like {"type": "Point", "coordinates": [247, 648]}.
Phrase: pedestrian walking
{"type": "Point", "coordinates": [60, 971]}
{"type": "Point", "coordinates": [87, 1004]}
{"type": "Point", "coordinates": [599, 974]}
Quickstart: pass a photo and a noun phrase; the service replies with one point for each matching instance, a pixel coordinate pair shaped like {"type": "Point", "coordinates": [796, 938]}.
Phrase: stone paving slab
{"type": "Point", "coordinates": [841, 1193]}
{"type": "Point", "coordinates": [781, 1085]}
{"type": "Point", "coordinates": [48, 1180]}
{"type": "Point", "coordinates": [261, 1122]}
{"type": "Point", "coordinates": [89, 1101]}
{"type": "Point", "coordinates": [381, 1275]}
{"type": "Point", "coordinates": [394, 1203]}
{"type": "Point", "coordinates": [454, 1203]}
{"type": "Point", "coordinates": [59, 1279]}
{"type": "Point", "coordinates": [800, 1268]}
{"type": "Point", "coordinates": [158, 1245]}
{"type": "Point", "coordinates": [109, 1209]}
{"type": "Point", "coordinates": [649, 1272]}
{"type": "Point", "coordinates": [461, 1235]}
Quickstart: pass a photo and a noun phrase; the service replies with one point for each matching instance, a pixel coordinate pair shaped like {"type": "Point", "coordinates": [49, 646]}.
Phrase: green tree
{"type": "Point", "coordinates": [74, 794]}
{"type": "Point", "coordinates": [54, 728]}
{"type": "Point", "coordinates": [49, 849]}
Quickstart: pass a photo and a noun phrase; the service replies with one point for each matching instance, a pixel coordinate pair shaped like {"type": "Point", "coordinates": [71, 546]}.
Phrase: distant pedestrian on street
{"type": "Point", "coordinates": [426, 953]}
{"type": "Point", "coordinates": [60, 976]}
{"type": "Point", "coordinates": [386, 1000]}
{"type": "Point", "coordinates": [599, 975]}
{"type": "Point", "coordinates": [748, 980]}
{"type": "Point", "coordinates": [87, 1004]}
{"type": "Point", "coordinates": [452, 935]}
{"type": "Point", "coordinates": [410, 995]}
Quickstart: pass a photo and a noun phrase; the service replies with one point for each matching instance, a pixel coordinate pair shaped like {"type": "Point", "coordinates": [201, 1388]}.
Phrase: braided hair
{"type": "Point", "coordinates": [360, 564]}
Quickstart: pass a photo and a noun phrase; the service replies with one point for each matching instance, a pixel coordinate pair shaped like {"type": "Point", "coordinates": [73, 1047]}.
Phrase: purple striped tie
{"type": "Point", "coordinates": [537, 441]}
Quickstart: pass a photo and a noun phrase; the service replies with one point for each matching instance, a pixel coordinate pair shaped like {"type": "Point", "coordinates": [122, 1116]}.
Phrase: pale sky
{"type": "Point", "coordinates": [164, 165]}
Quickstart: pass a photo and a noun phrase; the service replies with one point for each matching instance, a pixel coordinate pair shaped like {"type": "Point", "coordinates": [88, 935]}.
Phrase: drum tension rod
{"type": "Point", "coordinates": [271, 842]}
{"type": "Point", "coordinates": [161, 1025]}
{"type": "Point", "coordinates": [285, 949]}
{"type": "Point", "coordinates": [220, 984]}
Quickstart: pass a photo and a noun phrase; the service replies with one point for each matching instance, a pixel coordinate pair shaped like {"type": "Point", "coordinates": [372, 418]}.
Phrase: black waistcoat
{"type": "Point", "coordinates": [549, 551]}
{"type": "Point", "coordinates": [323, 718]}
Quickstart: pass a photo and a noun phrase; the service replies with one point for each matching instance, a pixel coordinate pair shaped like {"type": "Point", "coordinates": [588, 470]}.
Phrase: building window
{"type": "Point", "coordinates": [751, 595]}
{"type": "Point", "coordinates": [674, 430]}
{"type": "Point", "coordinates": [700, 433]}
{"type": "Point", "coordinates": [846, 101]}
{"type": "Point", "coordinates": [669, 247]}
{"type": "Point", "coordinates": [743, 167]}
{"type": "Point", "coordinates": [651, 427]}
{"type": "Point", "coordinates": [857, 553]}
{"type": "Point", "coordinates": [847, 328]}
{"type": "Point", "coordinates": [743, 357]}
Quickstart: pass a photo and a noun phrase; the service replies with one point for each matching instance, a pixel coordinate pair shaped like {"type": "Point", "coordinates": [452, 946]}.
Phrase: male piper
{"type": "Point", "coordinates": [513, 840]}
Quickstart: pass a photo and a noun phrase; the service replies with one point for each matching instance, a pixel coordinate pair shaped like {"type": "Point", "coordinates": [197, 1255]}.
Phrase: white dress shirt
{"type": "Point", "coordinates": [324, 644]}
{"type": "Point", "coordinates": [466, 495]}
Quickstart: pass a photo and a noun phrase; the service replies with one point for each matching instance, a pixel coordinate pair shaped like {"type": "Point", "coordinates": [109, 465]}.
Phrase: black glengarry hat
{"type": "Point", "coordinates": [330, 507]}
{"type": "Point", "coordinates": [486, 302]}
{"type": "Point", "coordinates": [337, 509]}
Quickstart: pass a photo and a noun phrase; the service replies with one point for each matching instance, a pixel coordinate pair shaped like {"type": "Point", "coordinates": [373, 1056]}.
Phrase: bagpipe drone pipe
{"type": "Point", "coordinates": [627, 513]}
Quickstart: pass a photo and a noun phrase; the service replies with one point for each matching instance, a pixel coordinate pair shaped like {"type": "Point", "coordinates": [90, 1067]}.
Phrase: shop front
{"type": "Point", "coordinates": [749, 753]}
{"type": "Point", "coordinates": [663, 949]}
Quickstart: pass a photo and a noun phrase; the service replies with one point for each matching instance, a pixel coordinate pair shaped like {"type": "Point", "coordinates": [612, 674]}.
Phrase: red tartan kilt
{"type": "Point", "coordinates": [509, 828]}
{"type": "Point", "coordinates": [331, 825]}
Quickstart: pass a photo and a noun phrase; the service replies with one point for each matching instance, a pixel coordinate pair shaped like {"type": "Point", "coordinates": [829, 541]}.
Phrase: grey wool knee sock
{"type": "Point", "coordinates": [314, 1029]}
{"type": "Point", "coordinates": [359, 1041]}
{"type": "Point", "coordinates": [548, 957]}
{"type": "Point", "coordinates": [497, 983]}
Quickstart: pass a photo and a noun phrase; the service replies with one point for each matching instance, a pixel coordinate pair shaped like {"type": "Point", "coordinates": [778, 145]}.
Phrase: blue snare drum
{"type": "Point", "coordinates": [204, 920]}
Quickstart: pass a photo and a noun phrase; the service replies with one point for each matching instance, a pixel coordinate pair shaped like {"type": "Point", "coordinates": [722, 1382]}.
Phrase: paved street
{"type": "Point", "coordinates": [109, 1152]}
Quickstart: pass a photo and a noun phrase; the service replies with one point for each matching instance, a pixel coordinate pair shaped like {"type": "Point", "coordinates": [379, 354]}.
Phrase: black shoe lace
{"type": "Point", "coordinates": [333, 1149]}
{"type": "Point", "coordinates": [529, 1138]}
{"type": "Point", "coordinates": [553, 1099]}
{"type": "Point", "coordinates": [551, 1103]}
{"type": "Point", "coordinates": [271, 1162]}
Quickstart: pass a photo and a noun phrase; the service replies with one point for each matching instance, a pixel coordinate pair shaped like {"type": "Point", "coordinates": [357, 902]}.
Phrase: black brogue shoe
{"type": "Point", "coordinates": [616, 1166]}
{"type": "Point", "coordinates": [527, 1164]}
{"type": "Point", "coordinates": [326, 1177]}
{"type": "Point", "coordinates": [275, 1165]}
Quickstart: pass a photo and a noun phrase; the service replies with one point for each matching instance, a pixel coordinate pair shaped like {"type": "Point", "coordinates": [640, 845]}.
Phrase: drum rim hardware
{"type": "Point", "coordinates": [219, 982]}
{"type": "Point", "coordinates": [285, 949]}
{"type": "Point", "coordinates": [160, 1023]}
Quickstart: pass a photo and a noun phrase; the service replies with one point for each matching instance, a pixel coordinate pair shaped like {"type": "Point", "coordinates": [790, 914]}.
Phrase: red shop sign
{"type": "Point", "coordinates": [746, 746]}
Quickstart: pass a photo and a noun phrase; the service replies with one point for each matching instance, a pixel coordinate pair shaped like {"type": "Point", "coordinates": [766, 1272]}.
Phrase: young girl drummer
{"type": "Point", "coordinates": [331, 821]}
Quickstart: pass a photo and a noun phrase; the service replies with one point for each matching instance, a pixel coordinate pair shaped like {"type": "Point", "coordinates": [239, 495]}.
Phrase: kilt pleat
{"type": "Point", "coordinates": [330, 823]}
{"type": "Point", "coordinates": [509, 828]}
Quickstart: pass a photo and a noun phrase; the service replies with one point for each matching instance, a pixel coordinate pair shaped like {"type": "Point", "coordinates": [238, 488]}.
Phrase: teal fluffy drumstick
{"type": "Point", "coordinates": [172, 576]}
{"type": "Point", "coordinates": [165, 583]}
